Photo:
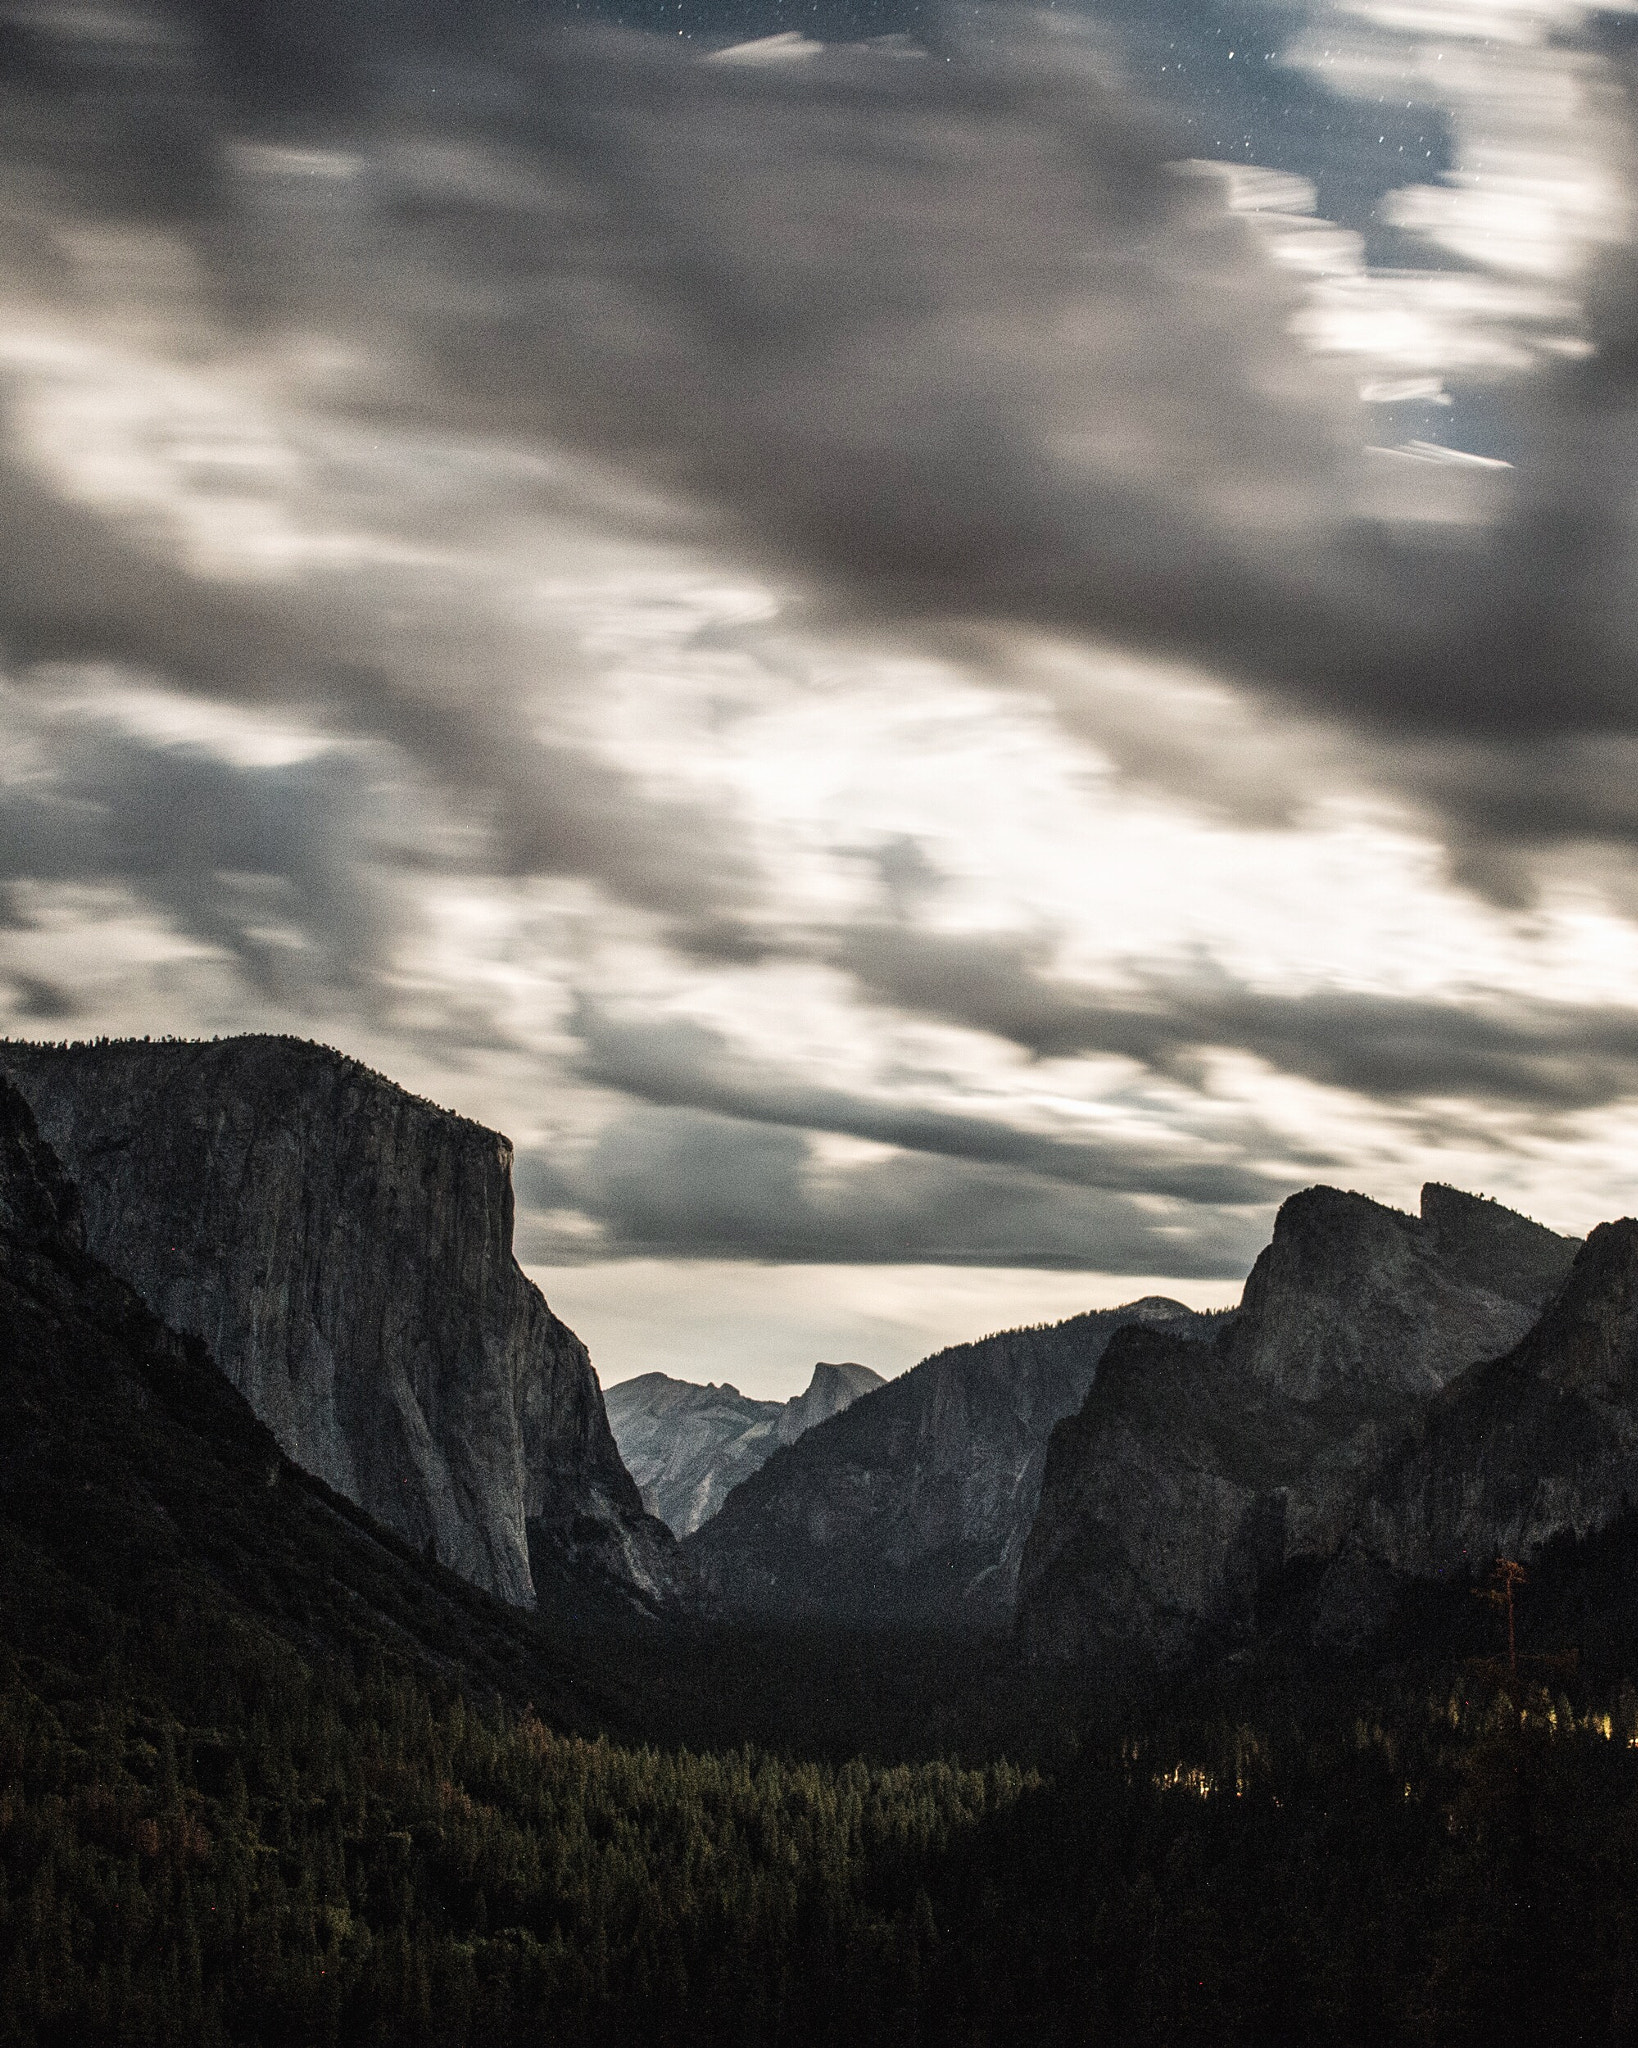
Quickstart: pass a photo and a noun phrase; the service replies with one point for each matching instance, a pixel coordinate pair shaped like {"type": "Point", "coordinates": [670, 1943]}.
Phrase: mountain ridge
{"type": "Point", "coordinates": [1520, 1451]}
{"type": "Point", "coordinates": [689, 1445]}
{"type": "Point", "coordinates": [913, 1504]}
{"type": "Point", "coordinates": [1194, 1474]}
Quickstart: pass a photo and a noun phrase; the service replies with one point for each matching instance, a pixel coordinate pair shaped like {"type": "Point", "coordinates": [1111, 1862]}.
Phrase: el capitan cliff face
{"type": "Point", "coordinates": [345, 1252]}
{"type": "Point", "coordinates": [1194, 1471]}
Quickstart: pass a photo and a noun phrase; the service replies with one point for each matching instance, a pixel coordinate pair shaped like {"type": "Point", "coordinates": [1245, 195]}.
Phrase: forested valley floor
{"type": "Point", "coordinates": [208, 1837]}
{"type": "Point", "coordinates": [269, 1776]}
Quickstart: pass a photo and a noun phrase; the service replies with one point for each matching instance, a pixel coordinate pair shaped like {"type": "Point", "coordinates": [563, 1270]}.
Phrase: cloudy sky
{"type": "Point", "coordinates": [935, 652]}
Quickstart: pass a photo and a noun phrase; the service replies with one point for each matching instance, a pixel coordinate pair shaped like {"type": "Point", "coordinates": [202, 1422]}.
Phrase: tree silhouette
{"type": "Point", "coordinates": [1506, 1574]}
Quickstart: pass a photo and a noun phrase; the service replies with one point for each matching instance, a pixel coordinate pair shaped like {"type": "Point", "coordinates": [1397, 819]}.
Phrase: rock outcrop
{"type": "Point", "coordinates": [1195, 1472]}
{"type": "Point", "coordinates": [911, 1507]}
{"type": "Point", "coordinates": [344, 1251]}
{"type": "Point", "coordinates": [689, 1446]}
{"type": "Point", "coordinates": [832, 1388]}
{"type": "Point", "coordinates": [1538, 1444]}
{"type": "Point", "coordinates": [39, 1205]}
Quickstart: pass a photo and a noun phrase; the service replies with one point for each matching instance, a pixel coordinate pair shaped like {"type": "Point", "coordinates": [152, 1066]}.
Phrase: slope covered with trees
{"type": "Point", "coordinates": [204, 1839]}
{"type": "Point", "coordinates": [269, 1776]}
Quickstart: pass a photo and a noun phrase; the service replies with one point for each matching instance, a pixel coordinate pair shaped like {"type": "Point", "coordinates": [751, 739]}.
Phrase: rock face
{"type": "Point", "coordinates": [911, 1508]}
{"type": "Point", "coordinates": [39, 1206]}
{"type": "Point", "coordinates": [832, 1388]}
{"type": "Point", "coordinates": [344, 1251]}
{"type": "Point", "coordinates": [1537, 1444]}
{"type": "Point", "coordinates": [1194, 1471]}
{"type": "Point", "coordinates": [138, 1491]}
{"type": "Point", "coordinates": [689, 1446]}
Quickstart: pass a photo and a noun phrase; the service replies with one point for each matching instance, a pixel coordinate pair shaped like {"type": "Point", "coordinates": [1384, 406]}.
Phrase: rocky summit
{"type": "Point", "coordinates": [1538, 1444]}
{"type": "Point", "coordinates": [912, 1506]}
{"type": "Point", "coordinates": [344, 1251]}
{"type": "Point", "coordinates": [1195, 1472]}
{"type": "Point", "coordinates": [689, 1446]}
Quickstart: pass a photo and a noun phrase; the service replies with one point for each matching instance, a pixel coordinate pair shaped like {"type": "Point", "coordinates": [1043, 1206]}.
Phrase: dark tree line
{"type": "Point", "coordinates": [267, 1778]}
{"type": "Point", "coordinates": [222, 1845]}
{"type": "Point", "coordinates": [205, 1840]}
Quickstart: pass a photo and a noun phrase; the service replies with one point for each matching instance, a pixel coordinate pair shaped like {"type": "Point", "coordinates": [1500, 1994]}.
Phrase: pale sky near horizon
{"type": "Point", "coordinates": [935, 652]}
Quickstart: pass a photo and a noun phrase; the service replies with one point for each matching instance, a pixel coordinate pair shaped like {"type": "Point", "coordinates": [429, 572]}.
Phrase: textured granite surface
{"type": "Point", "coordinates": [911, 1508]}
{"type": "Point", "coordinates": [1194, 1472]}
{"type": "Point", "coordinates": [345, 1252]}
{"type": "Point", "coordinates": [689, 1446]}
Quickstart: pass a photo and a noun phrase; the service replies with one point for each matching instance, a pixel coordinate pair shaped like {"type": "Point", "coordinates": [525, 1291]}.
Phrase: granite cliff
{"type": "Point", "coordinates": [1195, 1472]}
{"type": "Point", "coordinates": [911, 1507]}
{"type": "Point", "coordinates": [689, 1446]}
{"type": "Point", "coordinates": [344, 1252]}
{"type": "Point", "coordinates": [142, 1502]}
{"type": "Point", "coordinates": [1537, 1444]}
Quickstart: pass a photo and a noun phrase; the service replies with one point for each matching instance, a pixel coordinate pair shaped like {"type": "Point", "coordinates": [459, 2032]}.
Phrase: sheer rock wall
{"type": "Point", "coordinates": [344, 1250]}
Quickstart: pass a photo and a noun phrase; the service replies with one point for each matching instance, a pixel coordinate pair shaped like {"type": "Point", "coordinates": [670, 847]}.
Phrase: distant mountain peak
{"type": "Point", "coordinates": [689, 1445]}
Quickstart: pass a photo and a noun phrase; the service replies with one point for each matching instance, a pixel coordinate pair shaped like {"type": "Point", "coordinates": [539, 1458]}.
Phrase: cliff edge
{"type": "Point", "coordinates": [1195, 1472]}
{"type": "Point", "coordinates": [911, 1507]}
{"type": "Point", "coordinates": [1538, 1444]}
{"type": "Point", "coordinates": [344, 1251]}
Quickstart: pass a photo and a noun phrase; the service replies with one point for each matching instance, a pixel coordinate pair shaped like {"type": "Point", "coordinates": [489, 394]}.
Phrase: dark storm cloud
{"type": "Point", "coordinates": [686, 1183]}
{"type": "Point", "coordinates": [289, 867]}
{"type": "Point", "coordinates": [77, 589]}
{"type": "Point", "coordinates": [941, 336]}
{"type": "Point", "coordinates": [1497, 1048]}
{"type": "Point", "coordinates": [1536, 1055]}
{"type": "Point", "coordinates": [268, 863]}
{"type": "Point", "coordinates": [39, 1002]}
{"type": "Point", "coordinates": [681, 1064]}
{"type": "Point", "coordinates": [942, 341]}
{"type": "Point", "coordinates": [953, 332]}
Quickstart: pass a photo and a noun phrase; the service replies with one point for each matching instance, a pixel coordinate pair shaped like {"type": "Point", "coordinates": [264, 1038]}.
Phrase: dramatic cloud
{"type": "Point", "coordinates": [941, 331]}
{"type": "Point", "coordinates": [79, 590]}
{"type": "Point", "coordinates": [260, 860]}
{"type": "Point", "coordinates": [685, 1183]}
{"type": "Point", "coordinates": [1491, 1046]}
{"type": "Point", "coordinates": [683, 1065]}
{"type": "Point", "coordinates": [979, 638]}
{"type": "Point", "coordinates": [950, 335]}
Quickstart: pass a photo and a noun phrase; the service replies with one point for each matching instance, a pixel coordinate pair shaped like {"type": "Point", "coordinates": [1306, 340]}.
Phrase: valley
{"type": "Point", "coordinates": [1120, 1676]}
